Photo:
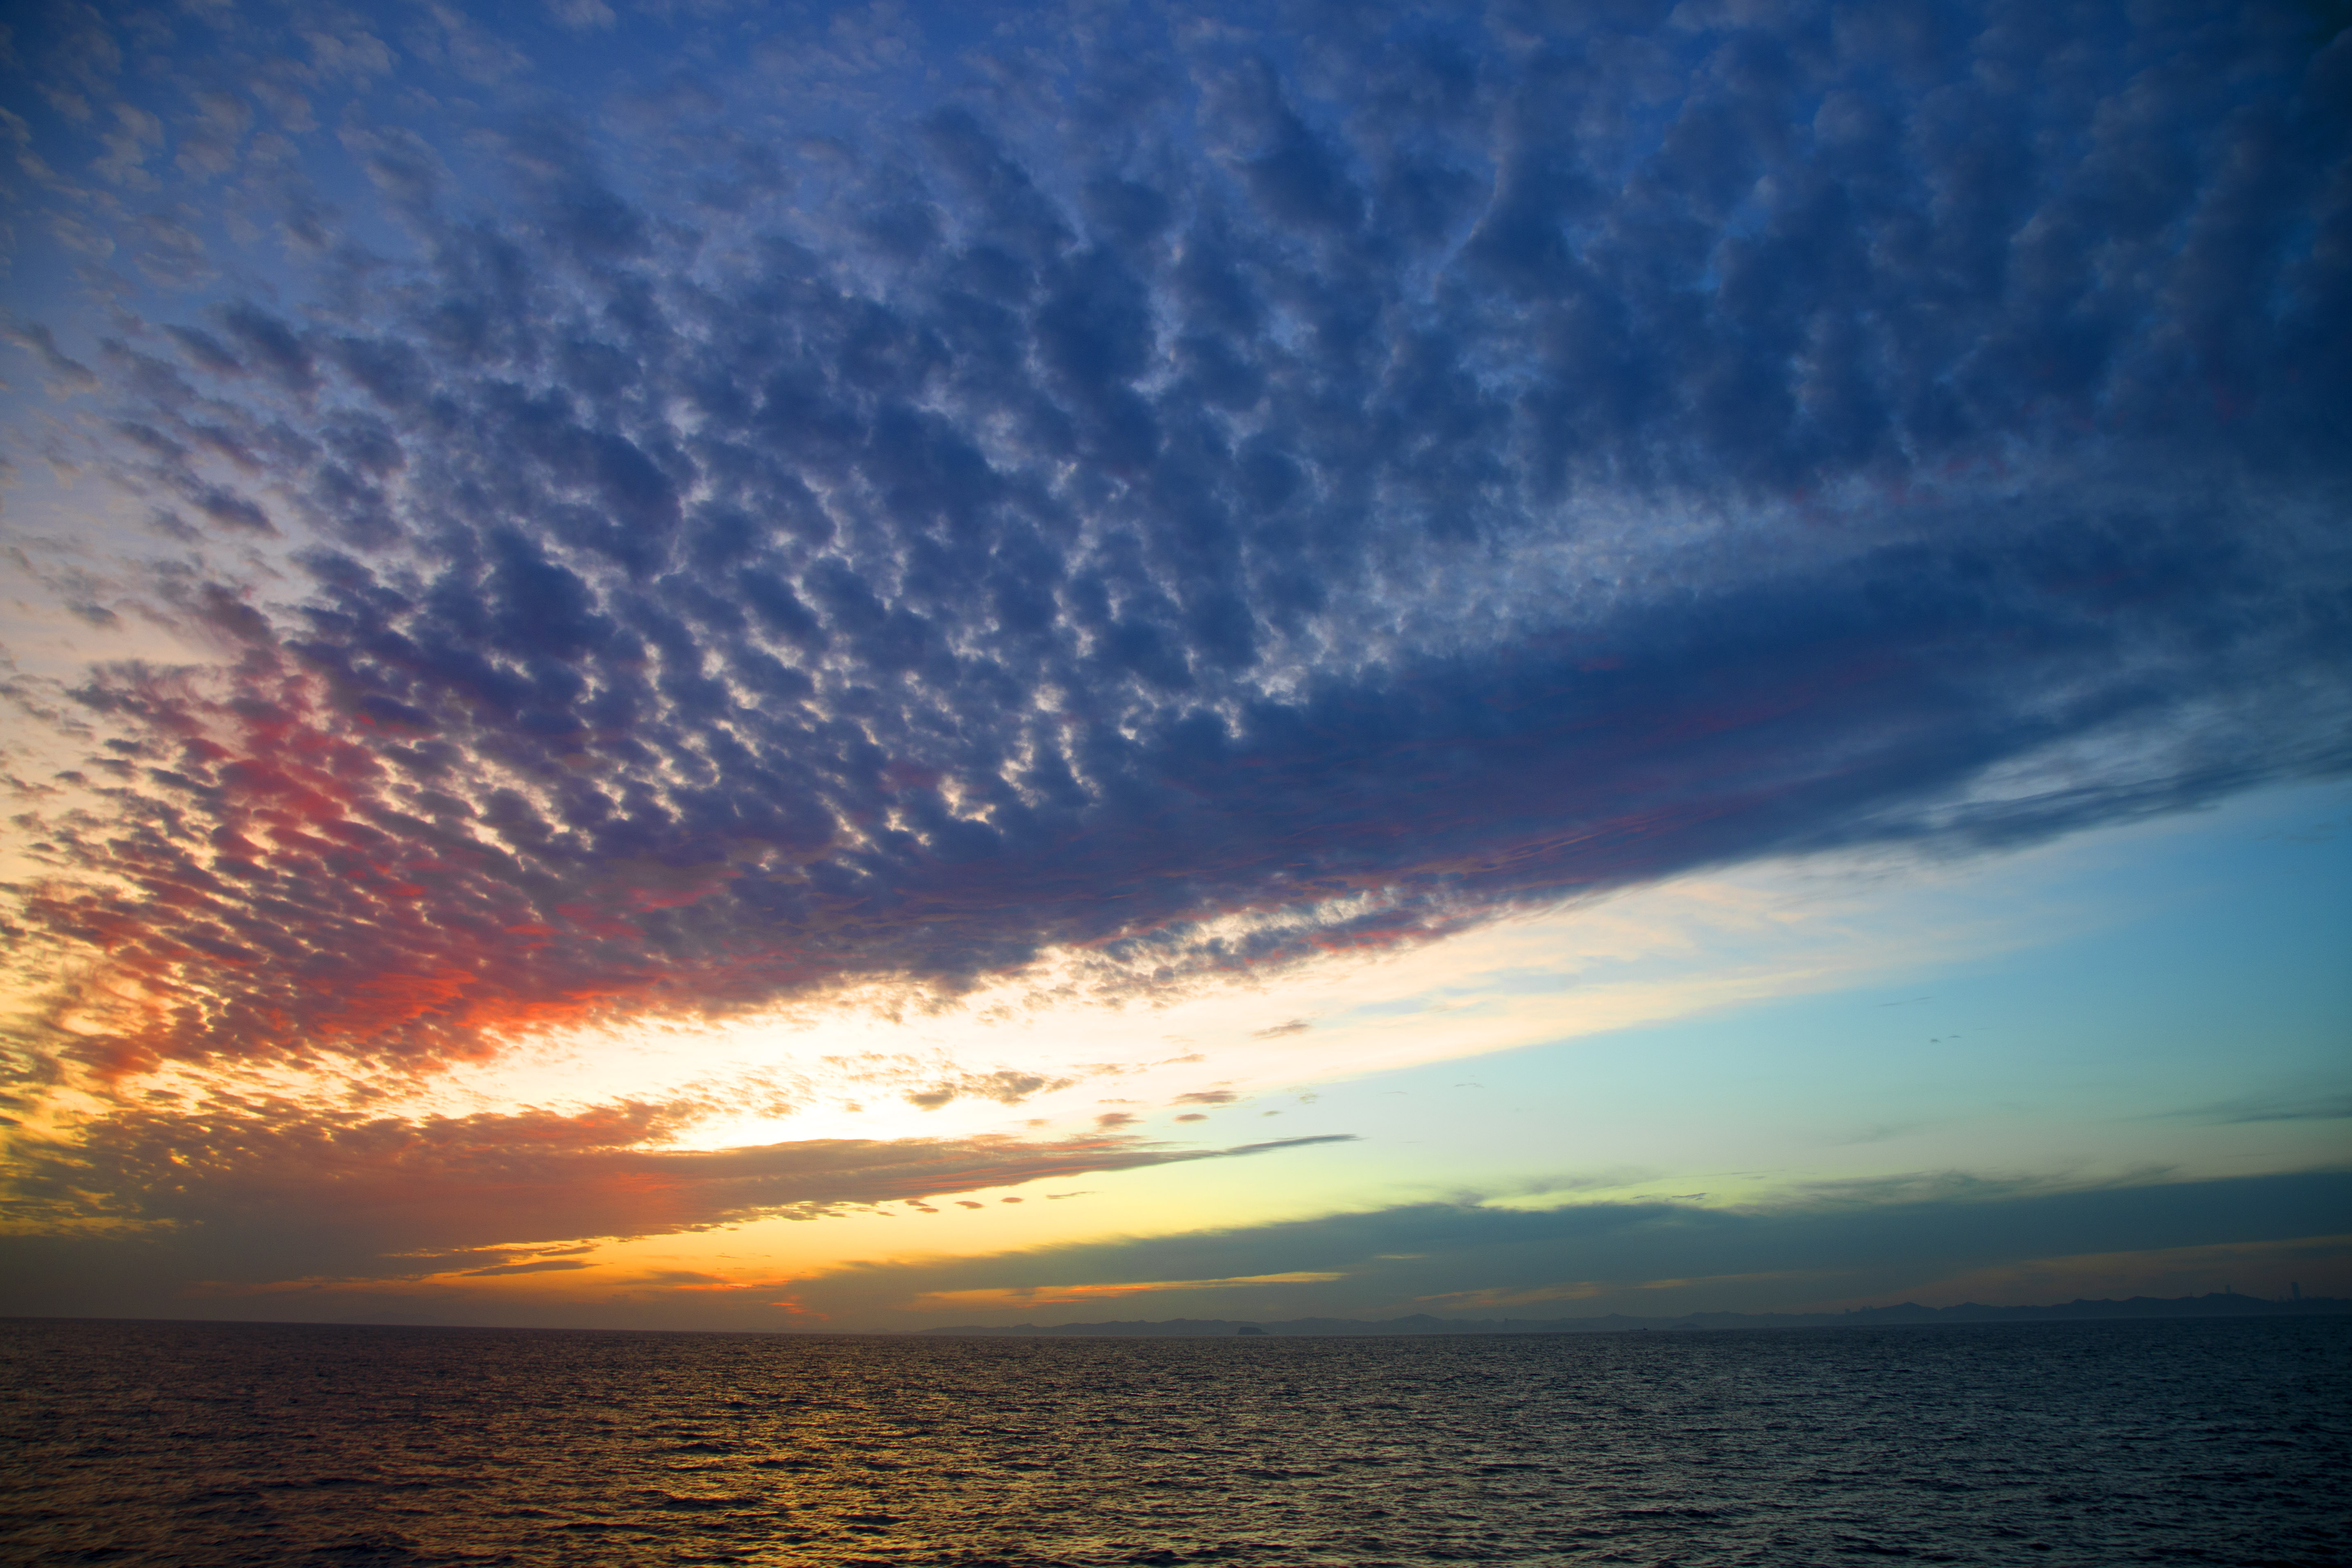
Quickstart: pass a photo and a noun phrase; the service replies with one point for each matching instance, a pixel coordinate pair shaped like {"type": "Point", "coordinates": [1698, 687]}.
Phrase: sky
{"type": "Point", "coordinates": [674, 664]}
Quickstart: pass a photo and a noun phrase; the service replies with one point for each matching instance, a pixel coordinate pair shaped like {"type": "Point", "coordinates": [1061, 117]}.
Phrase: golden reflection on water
{"type": "Point", "coordinates": [2090, 1444]}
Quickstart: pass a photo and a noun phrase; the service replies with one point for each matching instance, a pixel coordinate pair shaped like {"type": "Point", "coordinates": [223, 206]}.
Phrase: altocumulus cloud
{"type": "Point", "coordinates": [1171, 493]}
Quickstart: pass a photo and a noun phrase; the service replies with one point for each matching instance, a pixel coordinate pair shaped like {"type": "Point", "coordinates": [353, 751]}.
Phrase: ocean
{"type": "Point", "coordinates": [2091, 1443]}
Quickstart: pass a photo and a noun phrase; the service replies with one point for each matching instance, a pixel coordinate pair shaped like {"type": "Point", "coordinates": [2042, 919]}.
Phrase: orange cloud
{"type": "Point", "coordinates": [385, 1187]}
{"type": "Point", "coordinates": [1002, 1297]}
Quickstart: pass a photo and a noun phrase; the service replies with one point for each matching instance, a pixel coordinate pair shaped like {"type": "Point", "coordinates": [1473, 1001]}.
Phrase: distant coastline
{"type": "Point", "coordinates": [2219, 1304]}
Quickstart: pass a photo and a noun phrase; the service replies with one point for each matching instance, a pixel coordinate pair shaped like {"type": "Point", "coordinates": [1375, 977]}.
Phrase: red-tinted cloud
{"type": "Point", "coordinates": [714, 591]}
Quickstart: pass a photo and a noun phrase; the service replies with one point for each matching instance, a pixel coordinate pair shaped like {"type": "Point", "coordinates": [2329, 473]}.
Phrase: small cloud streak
{"type": "Point", "coordinates": [551, 1266]}
{"type": "Point", "coordinates": [1003, 1087]}
{"type": "Point", "coordinates": [2323, 1107]}
{"type": "Point", "coordinates": [1021, 1297]}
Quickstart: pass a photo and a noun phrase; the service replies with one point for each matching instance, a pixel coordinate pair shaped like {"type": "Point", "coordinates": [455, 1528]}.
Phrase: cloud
{"type": "Point", "coordinates": [1027, 1296]}
{"type": "Point", "coordinates": [983, 607]}
{"type": "Point", "coordinates": [492, 1179]}
{"type": "Point", "coordinates": [1584, 1260]}
{"type": "Point", "coordinates": [246, 1189]}
{"type": "Point", "coordinates": [69, 375]}
{"type": "Point", "coordinates": [2319, 1107]}
{"type": "Point", "coordinates": [1256, 509]}
{"type": "Point", "coordinates": [550, 1265]}
{"type": "Point", "coordinates": [583, 15]}
{"type": "Point", "coordinates": [1006, 1087]}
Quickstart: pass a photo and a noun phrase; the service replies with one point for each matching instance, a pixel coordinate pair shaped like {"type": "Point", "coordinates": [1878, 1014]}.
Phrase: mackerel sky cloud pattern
{"type": "Point", "coordinates": [690, 522]}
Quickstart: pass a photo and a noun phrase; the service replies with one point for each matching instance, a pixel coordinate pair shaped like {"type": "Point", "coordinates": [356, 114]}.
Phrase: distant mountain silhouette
{"type": "Point", "coordinates": [2219, 1304]}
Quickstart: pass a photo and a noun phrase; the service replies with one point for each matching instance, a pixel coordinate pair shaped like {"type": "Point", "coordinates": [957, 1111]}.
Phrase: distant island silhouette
{"type": "Point", "coordinates": [2219, 1304]}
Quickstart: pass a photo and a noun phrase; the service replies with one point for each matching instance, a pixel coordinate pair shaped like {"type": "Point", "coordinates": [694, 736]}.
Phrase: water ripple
{"type": "Point", "coordinates": [2092, 1444]}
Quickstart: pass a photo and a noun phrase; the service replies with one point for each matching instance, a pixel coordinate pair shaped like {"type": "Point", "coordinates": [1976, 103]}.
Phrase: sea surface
{"type": "Point", "coordinates": [2093, 1443]}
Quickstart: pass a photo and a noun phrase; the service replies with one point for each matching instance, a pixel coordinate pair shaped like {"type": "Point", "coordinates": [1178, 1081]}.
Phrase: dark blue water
{"type": "Point", "coordinates": [2080, 1442]}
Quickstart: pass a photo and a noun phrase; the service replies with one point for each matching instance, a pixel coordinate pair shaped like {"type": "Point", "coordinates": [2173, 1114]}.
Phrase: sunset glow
{"type": "Point", "coordinates": [683, 667]}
